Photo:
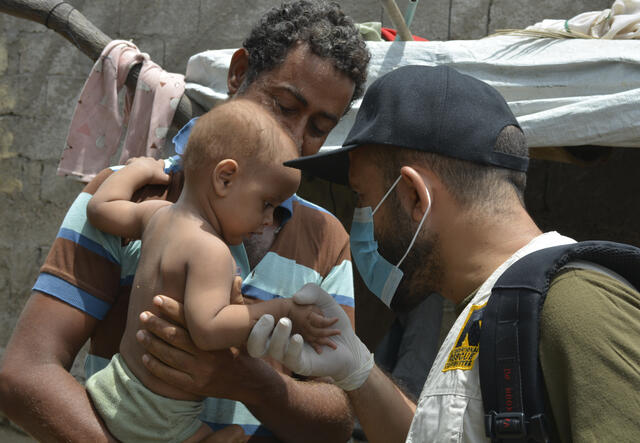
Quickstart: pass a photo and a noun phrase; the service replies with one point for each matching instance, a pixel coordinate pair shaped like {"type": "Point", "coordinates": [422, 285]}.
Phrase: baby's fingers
{"type": "Point", "coordinates": [326, 342]}
{"type": "Point", "coordinates": [316, 337]}
{"type": "Point", "coordinates": [320, 321]}
{"type": "Point", "coordinates": [324, 332]}
{"type": "Point", "coordinates": [316, 334]}
{"type": "Point", "coordinates": [318, 343]}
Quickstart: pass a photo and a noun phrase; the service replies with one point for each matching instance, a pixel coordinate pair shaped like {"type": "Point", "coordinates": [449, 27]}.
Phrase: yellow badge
{"type": "Point", "coordinates": [465, 351]}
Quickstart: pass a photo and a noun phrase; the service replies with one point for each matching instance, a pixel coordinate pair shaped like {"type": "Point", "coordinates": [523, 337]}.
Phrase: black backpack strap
{"type": "Point", "coordinates": [510, 374]}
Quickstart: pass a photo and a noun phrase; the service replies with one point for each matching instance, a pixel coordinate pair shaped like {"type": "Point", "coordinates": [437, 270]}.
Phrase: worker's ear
{"type": "Point", "coordinates": [416, 193]}
{"type": "Point", "coordinates": [237, 70]}
{"type": "Point", "coordinates": [223, 176]}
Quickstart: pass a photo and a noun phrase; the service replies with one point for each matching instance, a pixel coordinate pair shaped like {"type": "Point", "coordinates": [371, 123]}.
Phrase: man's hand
{"type": "Point", "coordinates": [174, 358]}
{"type": "Point", "coordinates": [349, 364]}
{"type": "Point", "coordinates": [292, 409]}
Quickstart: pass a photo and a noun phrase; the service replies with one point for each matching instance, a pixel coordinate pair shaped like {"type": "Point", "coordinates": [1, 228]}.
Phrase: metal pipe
{"type": "Point", "coordinates": [410, 11]}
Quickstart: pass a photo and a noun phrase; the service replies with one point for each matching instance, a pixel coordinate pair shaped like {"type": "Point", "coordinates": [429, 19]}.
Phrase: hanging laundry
{"type": "Point", "coordinates": [97, 122]}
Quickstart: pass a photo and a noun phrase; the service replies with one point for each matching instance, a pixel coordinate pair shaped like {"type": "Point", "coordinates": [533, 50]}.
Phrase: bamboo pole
{"type": "Point", "coordinates": [398, 21]}
{"type": "Point", "coordinates": [67, 21]}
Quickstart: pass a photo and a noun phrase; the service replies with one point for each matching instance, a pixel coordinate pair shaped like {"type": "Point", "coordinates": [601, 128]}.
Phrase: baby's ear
{"type": "Point", "coordinates": [223, 176]}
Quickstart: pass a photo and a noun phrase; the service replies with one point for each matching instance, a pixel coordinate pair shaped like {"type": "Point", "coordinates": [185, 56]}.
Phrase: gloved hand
{"type": "Point", "coordinates": [349, 364]}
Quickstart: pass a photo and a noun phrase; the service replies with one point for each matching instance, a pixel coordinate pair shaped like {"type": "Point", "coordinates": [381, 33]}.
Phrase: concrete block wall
{"type": "Point", "coordinates": [41, 75]}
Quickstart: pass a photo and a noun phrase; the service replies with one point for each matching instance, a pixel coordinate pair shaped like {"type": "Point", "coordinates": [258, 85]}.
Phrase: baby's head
{"type": "Point", "coordinates": [233, 160]}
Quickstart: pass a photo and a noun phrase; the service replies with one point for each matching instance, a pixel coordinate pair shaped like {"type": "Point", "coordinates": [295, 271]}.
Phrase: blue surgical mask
{"type": "Point", "coordinates": [381, 277]}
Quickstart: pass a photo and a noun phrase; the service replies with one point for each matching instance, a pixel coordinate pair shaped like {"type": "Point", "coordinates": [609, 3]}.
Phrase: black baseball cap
{"type": "Point", "coordinates": [427, 108]}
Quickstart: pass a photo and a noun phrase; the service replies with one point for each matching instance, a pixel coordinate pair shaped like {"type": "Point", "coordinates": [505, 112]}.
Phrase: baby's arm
{"type": "Point", "coordinates": [111, 210]}
{"type": "Point", "coordinates": [214, 323]}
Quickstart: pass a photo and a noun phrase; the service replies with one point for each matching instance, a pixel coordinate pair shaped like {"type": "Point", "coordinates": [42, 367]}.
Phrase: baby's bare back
{"type": "Point", "coordinates": [161, 270]}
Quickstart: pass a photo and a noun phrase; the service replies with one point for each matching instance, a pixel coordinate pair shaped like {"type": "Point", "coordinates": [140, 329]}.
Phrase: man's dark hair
{"type": "Point", "coordinates": [471, 184]}
{"type": "Point", "coordinates": [323, 26]}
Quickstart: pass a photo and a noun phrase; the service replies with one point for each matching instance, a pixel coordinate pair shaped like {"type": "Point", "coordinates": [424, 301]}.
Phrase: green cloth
{"type": "Point", "coordinates": [133, 413]}
{"type": "Point", "coordinates": [590, 357]}
{"type": "Point", "coordinates": [370, 31]}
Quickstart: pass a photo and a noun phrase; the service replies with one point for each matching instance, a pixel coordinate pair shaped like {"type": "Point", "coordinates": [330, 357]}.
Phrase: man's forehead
{"type": "Point", "coordinates": [304, 73]}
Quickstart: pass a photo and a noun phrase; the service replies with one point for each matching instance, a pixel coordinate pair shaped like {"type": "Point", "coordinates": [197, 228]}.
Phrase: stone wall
{"type": "Point", "coordinates": [41, 75]}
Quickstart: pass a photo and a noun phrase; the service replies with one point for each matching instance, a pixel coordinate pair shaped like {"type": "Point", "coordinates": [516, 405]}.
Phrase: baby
{"type": "Point", "coordinates": [234, 178]}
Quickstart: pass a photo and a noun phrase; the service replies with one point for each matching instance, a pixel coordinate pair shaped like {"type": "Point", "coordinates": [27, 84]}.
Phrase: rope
{"type": "Point", "coordinates": [541, 34]}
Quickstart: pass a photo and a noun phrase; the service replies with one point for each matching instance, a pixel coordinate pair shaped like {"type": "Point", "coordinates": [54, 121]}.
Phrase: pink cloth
{"type": "Point", "coordinates": [96, 127]}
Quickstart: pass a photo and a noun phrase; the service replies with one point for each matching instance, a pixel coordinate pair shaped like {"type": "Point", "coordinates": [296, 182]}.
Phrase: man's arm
{"type": "Point", "coordinates": [36, 389]}
{"type": "Point", "coordinates": [294, 410]}
{"type": "Point", "coordinates": [309, 411]}
{"type": "Point", "coordinates": [589, 354]}
{"type": "Point", "coordinates": [384, 412]}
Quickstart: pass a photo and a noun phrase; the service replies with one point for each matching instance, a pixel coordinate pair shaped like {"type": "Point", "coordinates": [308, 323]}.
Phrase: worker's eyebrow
{"type": "Point", "coordinates": [301, 98]}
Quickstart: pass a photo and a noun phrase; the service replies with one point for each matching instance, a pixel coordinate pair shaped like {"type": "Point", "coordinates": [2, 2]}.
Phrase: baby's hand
{"type": "Point", "coordinates": [150, 168]}
{"type": "Point", "coordinates": [309, 322]}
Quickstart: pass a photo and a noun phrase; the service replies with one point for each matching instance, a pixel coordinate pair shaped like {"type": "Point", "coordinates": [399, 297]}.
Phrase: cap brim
{"type": "Point", "coordinates": [331, 165]}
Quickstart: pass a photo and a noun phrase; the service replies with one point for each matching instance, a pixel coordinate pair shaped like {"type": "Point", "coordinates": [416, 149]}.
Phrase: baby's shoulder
{"type": "Point", "coordinates": [200, 243]}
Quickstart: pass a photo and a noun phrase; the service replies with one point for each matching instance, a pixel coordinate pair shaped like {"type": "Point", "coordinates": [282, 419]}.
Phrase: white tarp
{"type": "Point", "coordinates": [564, 92]}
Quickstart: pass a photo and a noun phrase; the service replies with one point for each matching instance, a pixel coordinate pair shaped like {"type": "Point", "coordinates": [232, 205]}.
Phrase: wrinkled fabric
{"type": "Point", "coordinates": [134, 413]}
{"type": "Point", "coordinates": [97, 123]}
{"type": "Point", "coordinates": [370, 31]}
{"type": "Point", "coordinates": [621, 21]}
{"type": "Point", "coordinates": [564, 92]}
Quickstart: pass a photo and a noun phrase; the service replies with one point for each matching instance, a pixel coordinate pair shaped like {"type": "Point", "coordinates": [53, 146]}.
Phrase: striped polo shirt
{"type": "Point", "coordinates": [93, 272]}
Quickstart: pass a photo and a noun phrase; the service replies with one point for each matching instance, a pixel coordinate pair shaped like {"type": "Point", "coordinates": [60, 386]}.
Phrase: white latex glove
{"type": "Point", "coordinates": [349, 364]}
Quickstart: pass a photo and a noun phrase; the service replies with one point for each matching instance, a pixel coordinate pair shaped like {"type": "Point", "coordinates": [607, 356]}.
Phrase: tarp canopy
{"type": "Point", "coordinates": [564, 92]}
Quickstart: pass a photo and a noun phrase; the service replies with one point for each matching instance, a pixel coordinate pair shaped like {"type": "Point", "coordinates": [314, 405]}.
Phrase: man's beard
{"type": "Point", "coordinates": [422, 267]}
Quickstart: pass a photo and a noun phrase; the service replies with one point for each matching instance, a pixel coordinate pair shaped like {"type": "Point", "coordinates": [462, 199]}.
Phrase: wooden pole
{"type": "Point", "coordinates": [398, 21]}
{"type": "Point", "coordinates": [67, 21]}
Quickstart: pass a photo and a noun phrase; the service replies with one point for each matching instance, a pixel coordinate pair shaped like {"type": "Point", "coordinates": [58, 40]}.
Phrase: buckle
{"type": "Point", "coordinates": [505, 425]}
{"type": "Point", "coordinates": [539, 428]}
